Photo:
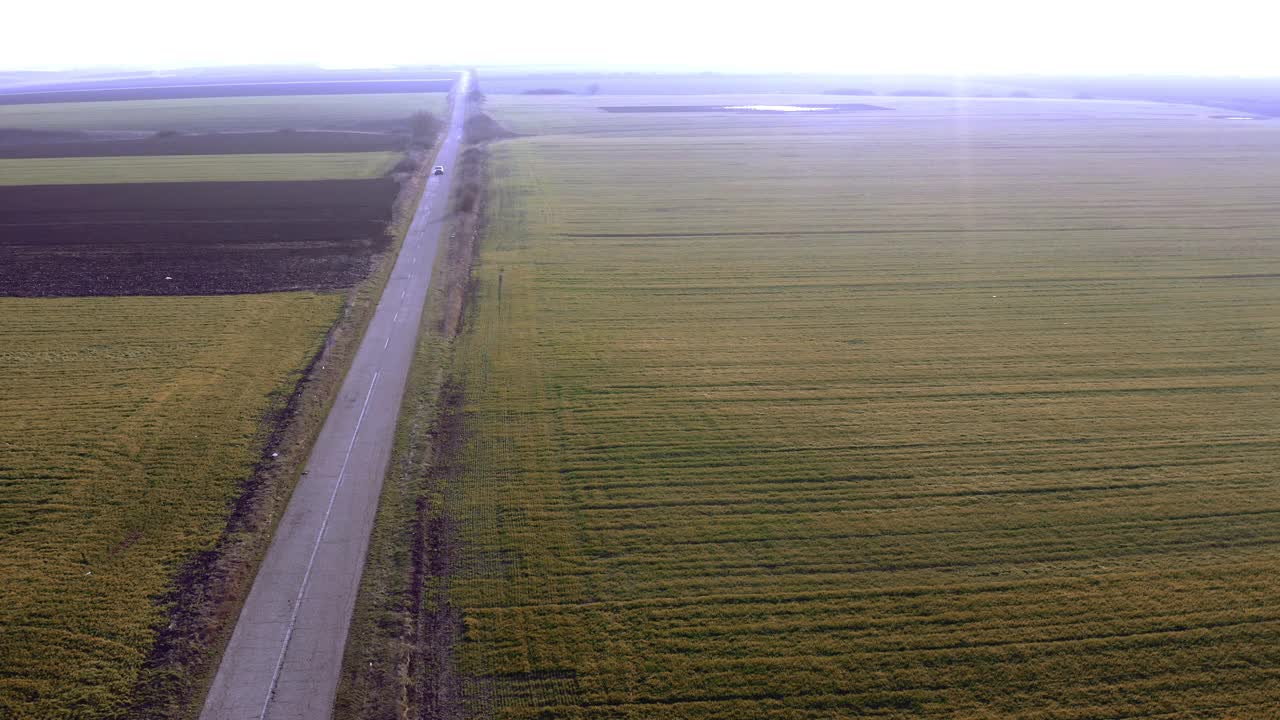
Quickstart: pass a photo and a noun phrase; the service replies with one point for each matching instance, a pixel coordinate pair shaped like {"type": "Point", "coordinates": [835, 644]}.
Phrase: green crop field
{"type": "Point", "coordinates": [224, 114]}
{"type": "Point", "coordinates": [196, 168]}
{"type": "Point", "coordinates": [971, 411]}
{"type": "Point", "coordinates": [126, 427]}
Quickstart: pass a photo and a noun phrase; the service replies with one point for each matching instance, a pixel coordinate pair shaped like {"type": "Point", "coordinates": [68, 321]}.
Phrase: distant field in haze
{"type": "Point", "coordinates": [196, 168]}
{"type": "Point", "coordinates": [1247, 94]}
{"type": "Point", "coordinates": [498, 82]}
{"type": "Point", "coordinates": [546, 115]}
{"type": "Point", "coordinates": [376, 111]}
{"type": "Point", "coordinates": [965, 412]}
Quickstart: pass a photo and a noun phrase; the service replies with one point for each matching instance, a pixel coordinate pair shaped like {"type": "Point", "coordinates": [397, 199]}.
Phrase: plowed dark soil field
{"type": "Point", "coordinates": [190, 238]}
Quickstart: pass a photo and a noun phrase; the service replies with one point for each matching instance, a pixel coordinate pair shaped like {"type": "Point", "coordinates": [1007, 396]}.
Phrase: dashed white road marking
{"type": "Point", "coordinates": [306, 577]}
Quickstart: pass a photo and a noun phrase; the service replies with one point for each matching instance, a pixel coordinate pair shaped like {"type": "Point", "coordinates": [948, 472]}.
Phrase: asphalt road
{"type": "Point", "coordinates": [285, 655]}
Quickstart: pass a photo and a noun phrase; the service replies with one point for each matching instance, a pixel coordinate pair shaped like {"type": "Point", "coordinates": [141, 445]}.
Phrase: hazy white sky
{"type": "Point", "coordinates": [1222, 37]}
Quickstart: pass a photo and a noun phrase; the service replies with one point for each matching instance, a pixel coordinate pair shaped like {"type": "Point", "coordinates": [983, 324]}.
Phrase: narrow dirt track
{"type": "Point", "coordinates": [285, 655]}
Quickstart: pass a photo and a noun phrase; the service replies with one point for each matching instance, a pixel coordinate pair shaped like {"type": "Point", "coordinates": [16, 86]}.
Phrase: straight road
{"type": "Point", "coordinates": [285, 654]}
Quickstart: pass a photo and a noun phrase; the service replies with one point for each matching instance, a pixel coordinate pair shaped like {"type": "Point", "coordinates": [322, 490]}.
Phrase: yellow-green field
{"type": "Point", "coordinates": [221, 114]}
{"type": "Point", "coordinates": [126, 428]}
{"type": "Point", "coordinates": [953, 414]}
{"type": "Point", "coordinates": [196, 168]}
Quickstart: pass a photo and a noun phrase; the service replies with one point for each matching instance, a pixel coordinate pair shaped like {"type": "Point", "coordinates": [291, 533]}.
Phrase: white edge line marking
{"type": "Point", "coordinates": [306, 577]}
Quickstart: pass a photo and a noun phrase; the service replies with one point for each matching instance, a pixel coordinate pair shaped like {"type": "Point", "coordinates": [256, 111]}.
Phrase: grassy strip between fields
{"type": "Point", "coordinates": [230, 114]}
{"type": "Point", "coordinates": [196, 168]}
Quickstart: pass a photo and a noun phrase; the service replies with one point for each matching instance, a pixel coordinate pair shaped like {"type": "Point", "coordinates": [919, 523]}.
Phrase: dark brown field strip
{"type": "Point", "coordinates": [159, 236]}
{"type": "Point", "coordinates": [148, 223]}
{"type": "Point", "coordinates": [67, 202]}
{"type": "Point", "coordinates": [191, 238]}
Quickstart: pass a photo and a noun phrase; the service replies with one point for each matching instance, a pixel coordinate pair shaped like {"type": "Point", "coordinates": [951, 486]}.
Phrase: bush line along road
{"type": "Point", "coordinates": [285, 654]}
